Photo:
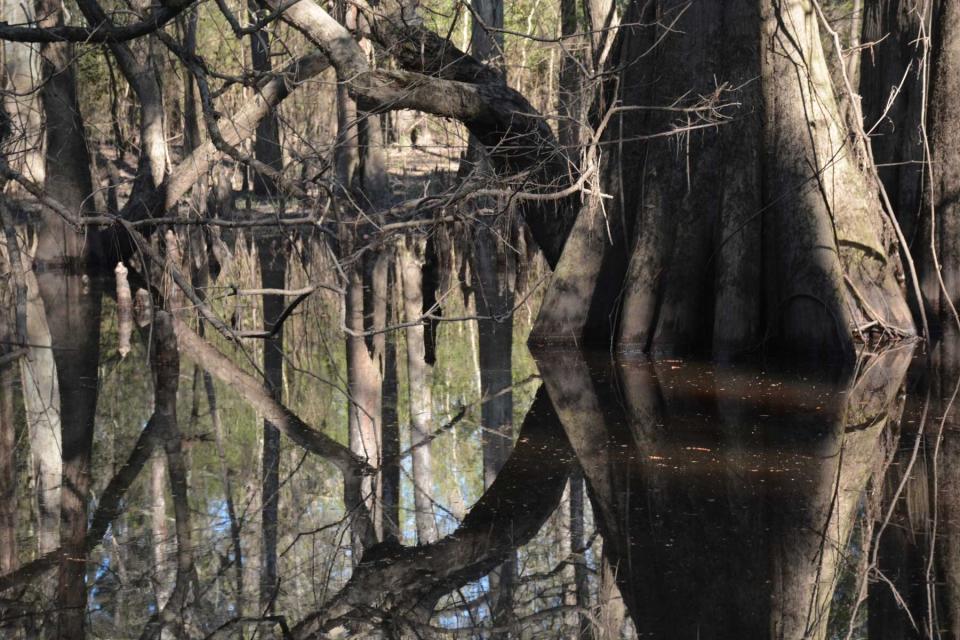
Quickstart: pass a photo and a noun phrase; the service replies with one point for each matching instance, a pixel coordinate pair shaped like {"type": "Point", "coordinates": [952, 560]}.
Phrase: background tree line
{"type": "Point", "coordinates": [300, 199]}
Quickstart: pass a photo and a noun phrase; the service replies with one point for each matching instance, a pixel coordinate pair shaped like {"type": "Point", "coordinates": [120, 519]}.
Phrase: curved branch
{"type": "Point", "coordinates": [517, 138]}
{"type": "Point", "coordinates": [254, 392]}
{"type": "Point", "coordinates": [243, 124]}
{"type": "Point", "coordinates": [104, 32]}
{"type": "Point", "coordinates": [407, 581]}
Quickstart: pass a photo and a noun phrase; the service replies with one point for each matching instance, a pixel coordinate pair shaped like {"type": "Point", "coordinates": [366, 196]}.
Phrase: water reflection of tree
{"type": "Point", "coordinates": [726, 499]}
{"type": "Point", "coordinates": [119, 536]}
{"type": "Point", "coordinates": [914, 571]}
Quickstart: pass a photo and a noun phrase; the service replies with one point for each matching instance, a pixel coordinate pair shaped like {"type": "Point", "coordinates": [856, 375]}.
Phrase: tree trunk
{"type": "Point", "coordinates": [581, 582]}
{"type": "Point", "coordinates": [364, 375]}
{"type": "Point", "coordinates": [492, 274]}
{"type": "Point", "coordinates": [8, 468]}
{"type": "Point", "coordinates": [266, 146]}
{"type": "Point", "coordinates": [939, 248]}
{"type": "Point", "coordinates": [163, 571]}
{"type": "Point", "coordinates": [73, 314]}
{"type": "Point", "coordinates": [362, 181]}
{"type": "Point", "coordinates": [390, 429]}
{"type": "Point", "coordinates": [273, 275]}
{"type": "Point", "coordinates": [8, 428]}
{"type": "Point", "coordinates": [24, 149]}
{"type": "Point", "coordinates": [191, 120]}
{"type": "Point", "coordinates": [576, 306]}
{"type": "Point", "coordinates": [41, 400]}
{"type": "Point", "coordinates": [727, 257]}
{"type": "Point", "coordinates": [918, 147]}
{"type": "Point", "coordinates": [165, 360]}
{"type": "Point", "coordinates": [942, 573]}
{"type": "Point", "coordinates": [892, 68]}
{"type": "Point", "coordinates": [420, 382]}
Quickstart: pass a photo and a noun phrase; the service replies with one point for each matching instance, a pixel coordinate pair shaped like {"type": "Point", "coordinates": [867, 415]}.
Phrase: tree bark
{"type": "Point", "coordinates": [727, 258]}
{"type": "Point", "coordinates": [364, 376]}
{"type": "Point", "coordinates": [272, 256]}
{"type": "Point", "coordinates": [420, 382]}
{"type": "Point", "coordinates": [8, 429]}
{"type": "Point", "coordinates": [165, 360]}
{"type": "Point", "coordinates": [266, 146]}
{"type": "Point", "coordinates": [390, 429]}
{"type": "Point", "coordinates": [576, 306]}
{"type": "Point", "coordinates": [24, 149]}
{"type": "Point", "coordinates": [581, 584]}
{"type": "Point", "coordinates": [492, 281]}
{"type": "Point", "coordinates": [163, 571]}
{"type": "Point", "coordinates": [892, 68]}
{"type": "Point", "coordinates": [362, 183]}
{"type": "Point", "coordinates": [41, 400]}
{"type": "Point", "coordinates": [940, 217]}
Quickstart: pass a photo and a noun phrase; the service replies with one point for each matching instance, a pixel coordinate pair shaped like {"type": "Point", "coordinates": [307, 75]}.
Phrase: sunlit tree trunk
{"type": "Point", "coordinates": [362, 183]}
{"type": "Point", "coordinates": [364, 374]}
{"type": "Point", "coordinates": [23, 149]}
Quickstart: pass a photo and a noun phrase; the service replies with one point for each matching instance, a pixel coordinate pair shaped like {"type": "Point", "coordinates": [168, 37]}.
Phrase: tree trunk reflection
{"type": "Point", "coordinates": [725, 500]}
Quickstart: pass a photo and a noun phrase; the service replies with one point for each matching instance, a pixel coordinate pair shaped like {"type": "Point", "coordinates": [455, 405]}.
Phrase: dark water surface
{"type": "Point", "coordinates": [747, 502]}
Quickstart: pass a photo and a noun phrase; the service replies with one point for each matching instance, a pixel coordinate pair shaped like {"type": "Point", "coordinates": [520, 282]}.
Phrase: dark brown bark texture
{"type": "Point", "coordinates": [737, 190]}
{"type": "Point", "coordinates": [910, 82]}
{"type": "Point", "coordinates": [272, 255]}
